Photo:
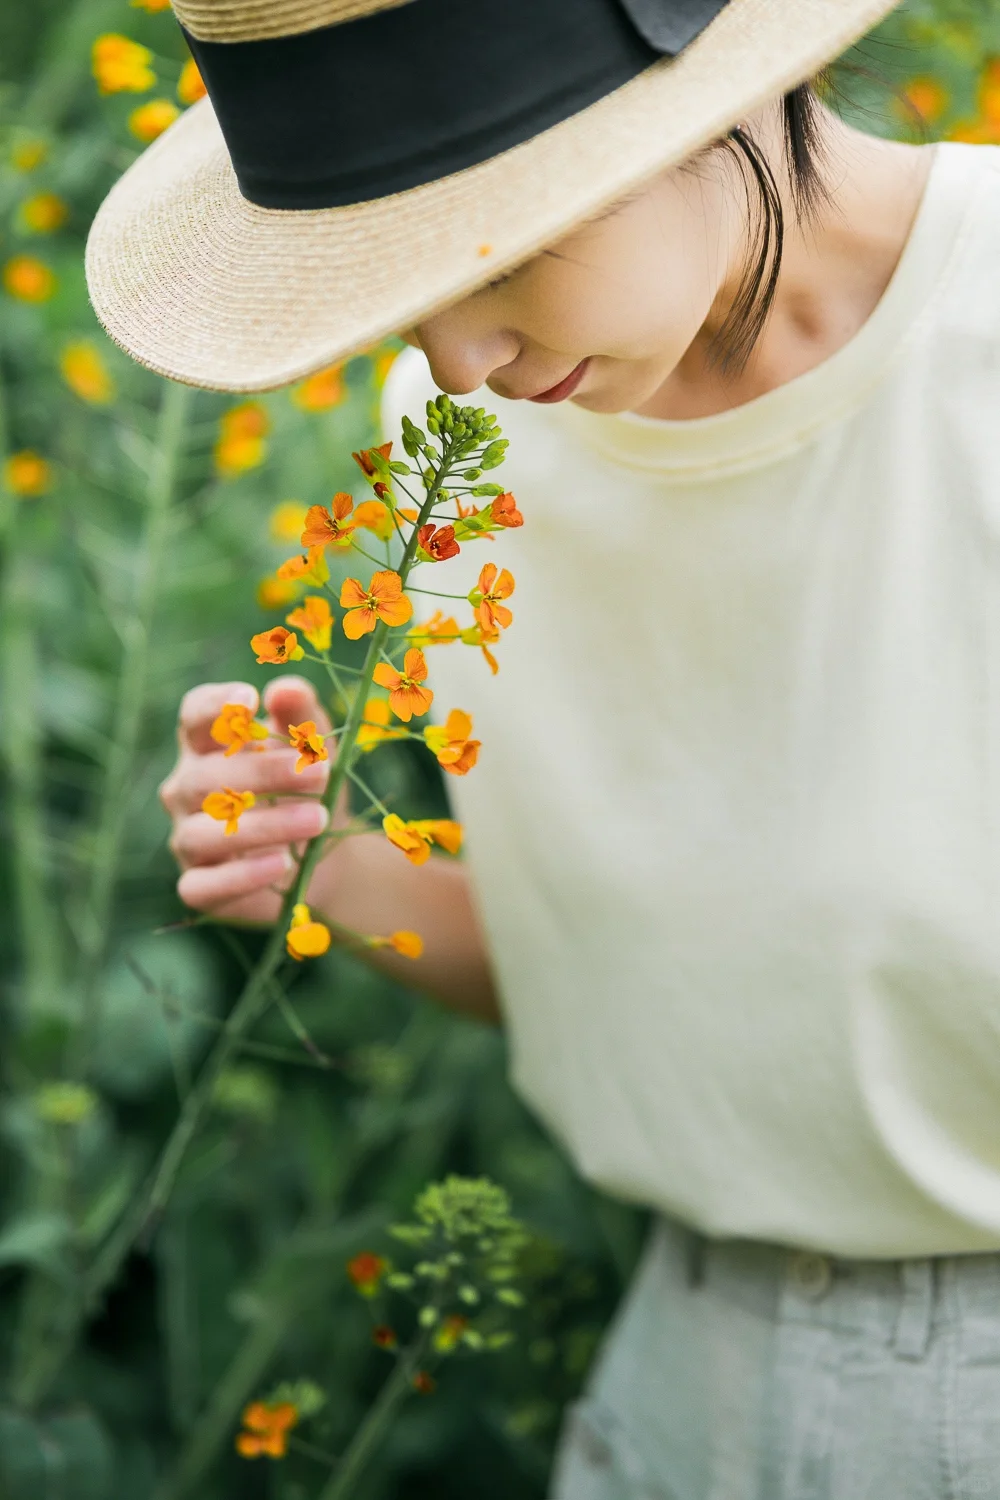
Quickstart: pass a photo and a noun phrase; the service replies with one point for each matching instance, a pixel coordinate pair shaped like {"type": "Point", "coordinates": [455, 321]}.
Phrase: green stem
{"type": "Point", "coordinates": [119, 770]}
{"type": "Point", "coordinates": [257, 992]}
{"type": "Point", "coordinates": [377, 1419]}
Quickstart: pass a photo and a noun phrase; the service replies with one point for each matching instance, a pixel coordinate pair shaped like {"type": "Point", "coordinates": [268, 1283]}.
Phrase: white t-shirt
{"type": "Point", "coordinates": [735, 829]}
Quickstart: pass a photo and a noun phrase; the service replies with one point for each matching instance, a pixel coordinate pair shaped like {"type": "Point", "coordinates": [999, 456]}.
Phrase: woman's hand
{"type": "Point", "coordinates": [241, 876]}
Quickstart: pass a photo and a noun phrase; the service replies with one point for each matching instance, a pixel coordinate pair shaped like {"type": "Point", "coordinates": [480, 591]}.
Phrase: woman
{"type": "Point", "coordinates": [734, 845]}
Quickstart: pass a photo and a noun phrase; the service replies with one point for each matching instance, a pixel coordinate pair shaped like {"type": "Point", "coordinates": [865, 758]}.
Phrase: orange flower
{"type": "Point", "coordinates": [406, 696]}
{"type": "Point", "coordinates": [152, 119]}
{"type": "Point", "coordinates": [372, 515]}
{"type": "Point", "coordinates": [437, 631]}
{"type": "Point", "coordinates": [364, 459]}
{"type": "Point", "coordinates": [438, 542]}
{"type": "Point", "coordinates": [309, 569]}
{"type": "Point", "coordinates": [121, 66]}
{"type": "Point", "coordinates": [456, 752]}
{"type": "Point", "coordinates": [315, 620]}
{"type": "Point", "coordinates": [27, 474]}
{"type": "Point", "coordinates": [150, 5]}
{"type": "Point", "coordinates": [384, 1337]}
{"type": "Point", "coordinates": [408, 944]}
{"type": "Point", "coordinates": [504, 511]}
{"type": "Point", "coordinates": [190, 85]}
{"type": "Point", "coordinates": [28, 279]}
{"type": "Point", "coordinates": [241, 443]}
{"type": "Point", "coordinates": [416, 837]}
{"type": "Point", "coordinates": [424, 1384]}
{"type": "Point", "coordinates": [306, 738]}
{"type": "Point", "coordinates": [925, 97]}
{"type": "Point", "coordinates": [84, 371]}
{"type": "Point", "coordinates": [236, 727]}
{"type": "Point", "coordinates": [375, 726]}
{"type": "Point", "coordinates": [323, 529]}
{"type": "Point", "coordinates": [989, 92]}
{"type": "Point", "coordinates": [44, 213]}
{"type": "Point", "coordinates": [273, 593]}
{"type": "Point", "coordinates": [278, 645]}
{"type": "Point", "coordinates": [286, 521]}
{"type": "Point", "coordinates": [321, 391]}
{"type": "Point", "coordinates": [366, 1270]}
{"type": "Point", "coordinates": [477, 636]}
{"type": "Point", "coordinates": [487, 596]}
{"type": "Point", "coordinates": [306, 938]}
{"type": "Point", "coordinates": [449, 1333]}
{"type": "Point", "coordinates": [228, 807]}
{"type": "Point", "coordinates": [383, 600]}
{"type": "Point", "coordinates": [266, 1429]}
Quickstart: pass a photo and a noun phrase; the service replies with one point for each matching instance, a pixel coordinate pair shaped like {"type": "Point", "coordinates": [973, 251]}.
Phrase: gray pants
{"type": "Point", "coordinates": [738, 1371]}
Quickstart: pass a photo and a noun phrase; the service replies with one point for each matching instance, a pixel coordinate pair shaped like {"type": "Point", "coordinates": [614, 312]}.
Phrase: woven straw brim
{"type": "Point", "coordinates": [202, 286]}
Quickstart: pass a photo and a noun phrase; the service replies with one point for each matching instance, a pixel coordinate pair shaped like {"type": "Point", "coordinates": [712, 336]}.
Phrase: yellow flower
{"type": "Point", "coordinates": [228, 807]}
{"type": "Point", "coordinates": [415, 837]}
{"type": "Point", "coordinates": [408, 944]}
{"type": "Point", "coordinates": [286, 521]}
{"type": "Point", "coordinates": [150, 5]}
{"type": "Point", "coordinates": [320, 391]}
{"type": "Point", "coordinates": [376, 725]}
{"type": "Point", "coordinates": [307, 740]}
{"type": "Point", "coordinates": [152, 119]}
{"type": "Point", "coordinates": [235, 726]}
{"type": "Point", "coordinates": [382, 363]}
{"type": "Point", "coordinates": [191, 85]}
{"type": "Point", "coordinates": [241, 443]}
{"type": "Point", "coordinates": [121, 66]}
{"type": "Point", "coordinates": [274, 593]}
{"type": "Point", "coordinates": [452, 743]}
{"type": "Point", "coordinates": [44, 213]}
{"type": "Point", "coordinates": [28, 279]}
{"type": "Point", "coordinates": [278, 646]}
{"type": "Point", "coordinates": [28, 155]}
{"type": "Point", "coordinates": [315, 620]}
{"type": "Point", "coordinates": [84, 371]}
{"type": "Point", "coordinates": [27, 474]}
{"type": "Point", "coordinates": [265, 1425]}
{"type": "Point", "coordinates": [306, 938]}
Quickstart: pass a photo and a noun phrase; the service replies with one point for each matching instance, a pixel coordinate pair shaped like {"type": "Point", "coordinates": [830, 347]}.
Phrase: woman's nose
{"type": "Point", "coordinates": [462, 360]}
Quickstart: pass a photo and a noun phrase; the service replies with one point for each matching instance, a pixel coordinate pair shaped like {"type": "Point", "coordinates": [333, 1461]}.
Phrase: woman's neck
{"type": "Point", "coordinates": [835, 268]}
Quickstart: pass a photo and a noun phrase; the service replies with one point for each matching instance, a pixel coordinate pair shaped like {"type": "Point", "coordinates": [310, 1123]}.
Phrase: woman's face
{"type": "Point", "coordinates": [605, 316]}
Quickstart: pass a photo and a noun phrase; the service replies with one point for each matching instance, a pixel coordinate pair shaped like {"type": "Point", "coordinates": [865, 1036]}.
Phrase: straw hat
{"type": "Point", "coordinates": [361, 163]}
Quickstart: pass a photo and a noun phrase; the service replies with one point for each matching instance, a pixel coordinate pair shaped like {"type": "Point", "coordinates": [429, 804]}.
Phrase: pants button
{"type": "Point", "coordinates": [810, 1274]}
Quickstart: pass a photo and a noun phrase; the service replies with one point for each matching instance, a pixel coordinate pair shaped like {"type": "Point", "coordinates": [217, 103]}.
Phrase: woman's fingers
{"type": "Point", "coordinates": [201, 840]}
{"type": "Point", "coordinates": [244, 890]}
{"type": "Point", "coordinates": [290, 700]}
{"type": "Point", "coordinates": [200, 708]}
{"type": "Point", "coordinates": [261, 772]}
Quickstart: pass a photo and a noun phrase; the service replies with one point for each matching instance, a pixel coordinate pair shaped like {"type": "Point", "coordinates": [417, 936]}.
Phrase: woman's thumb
{"type": "Point", "coordinates": [290, 700]}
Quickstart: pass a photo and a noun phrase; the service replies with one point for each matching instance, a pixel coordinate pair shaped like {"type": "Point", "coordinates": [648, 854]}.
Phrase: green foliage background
{"type": "Point", "coordinates": [128, 582]}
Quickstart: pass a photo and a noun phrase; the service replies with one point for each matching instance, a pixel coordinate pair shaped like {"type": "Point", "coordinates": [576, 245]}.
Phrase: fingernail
{"type": "Point", "coordinates": [317, 818]}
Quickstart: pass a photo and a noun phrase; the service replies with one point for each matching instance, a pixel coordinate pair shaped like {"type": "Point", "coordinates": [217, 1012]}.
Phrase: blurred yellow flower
{"type": "Point", "coordinates": [121, 66]}
{"type": "Point", "coordinates": [382, 363]}
{"type": "Point", "coordinates": [989, 92]}
{"type": "Point", "coordinates": [28, 279]}
{"type": "Point", "coordinates": [65, 1103]}
{"type": "Point", "coordinates": [273, 593]}
{"type": "Point", "coordinates": [321, 391]}
{"type": "Point", "coordinates": [150, 5]}
{"type": "Point", "coordinates": [84, 371]}
{"type": "Point", "coordinates": [152, 119]}
{"type": "Point", "coordinates": [26, 156]}
{"type": "Point", "coordinates": [27, 474]}
{"type": "Point", "coordinates": [925, 97]}
{"type": "Point", "coordinates": [228, 806]}
{"type": "Point", "coordinates": [315, 620]}
{"type": "Point", "coordinates": [44, 213]}
{"type": "Point", "coordinates": [190, 86]}
{"type": "Point", "coordinates": [286, 521]}
{"type": "Point", "coordinates": [241, 444]}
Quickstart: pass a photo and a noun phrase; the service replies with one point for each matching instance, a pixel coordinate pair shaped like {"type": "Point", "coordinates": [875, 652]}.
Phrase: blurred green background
{"type": "Point", "coordinates": [141, 529]}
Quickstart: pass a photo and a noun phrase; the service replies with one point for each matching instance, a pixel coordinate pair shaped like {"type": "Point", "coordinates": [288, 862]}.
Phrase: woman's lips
{"type": "Point", "coordinates": [565, 387]}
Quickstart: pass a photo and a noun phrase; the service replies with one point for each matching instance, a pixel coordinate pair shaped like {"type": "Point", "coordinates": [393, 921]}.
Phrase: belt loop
{"type": "Point", "coordinates": [916, 1309]}
{"type": "Point", "coordinates": [696, 1248]}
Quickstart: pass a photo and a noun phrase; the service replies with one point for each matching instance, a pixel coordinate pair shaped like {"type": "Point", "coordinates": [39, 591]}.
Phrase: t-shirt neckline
{"type": "Point", "coordinates": [775, 424]}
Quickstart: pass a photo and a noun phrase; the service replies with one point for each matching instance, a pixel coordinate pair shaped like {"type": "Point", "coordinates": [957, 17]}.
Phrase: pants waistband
{"type": "Point", "coordinates": [901, 1302]}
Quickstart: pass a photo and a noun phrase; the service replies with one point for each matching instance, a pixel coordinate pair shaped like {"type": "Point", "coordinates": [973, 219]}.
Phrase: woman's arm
{"type": "Point", "coordinates": [364, 883]}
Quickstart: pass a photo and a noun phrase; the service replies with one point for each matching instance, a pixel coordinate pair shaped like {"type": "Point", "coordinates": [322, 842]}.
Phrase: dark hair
{"type": "Point", "coordinates": [735, 341]}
